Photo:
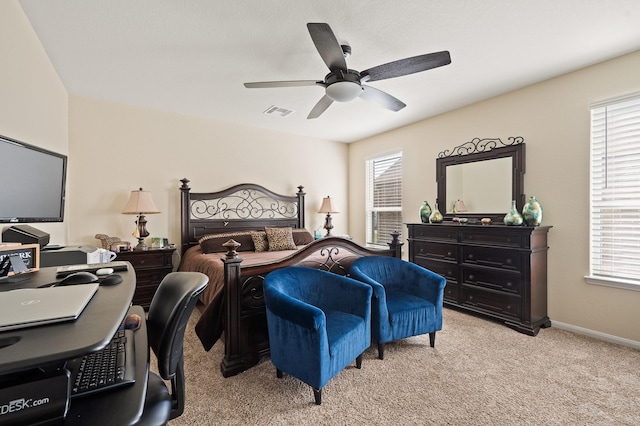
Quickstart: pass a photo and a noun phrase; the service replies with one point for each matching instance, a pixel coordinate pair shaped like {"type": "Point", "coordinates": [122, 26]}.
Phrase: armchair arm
{"type": "Point", "coordinates": [294, 310]}
{"type": "Point", "coordinates": [421, 282]}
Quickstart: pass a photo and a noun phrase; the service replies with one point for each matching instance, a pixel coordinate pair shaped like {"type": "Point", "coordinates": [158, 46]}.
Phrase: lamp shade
{"type": "Point", "coordinates": [459, 206]}
{"type": "Point", "coordinates": [328, 206]}
{"type": "Point", "coordinates": [140, 202]}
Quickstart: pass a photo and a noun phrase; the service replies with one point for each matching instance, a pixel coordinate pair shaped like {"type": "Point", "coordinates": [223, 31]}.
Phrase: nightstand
{"type": "Point", "coordinates": [151, 266]}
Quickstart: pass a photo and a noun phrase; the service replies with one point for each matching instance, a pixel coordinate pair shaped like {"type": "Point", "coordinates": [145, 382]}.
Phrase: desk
{"type": "Point", "coordinates": [52, 344]}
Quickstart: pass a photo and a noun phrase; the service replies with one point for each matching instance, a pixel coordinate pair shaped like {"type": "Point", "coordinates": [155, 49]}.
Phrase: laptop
{"type": "Point", "coordinates": [30, 307]}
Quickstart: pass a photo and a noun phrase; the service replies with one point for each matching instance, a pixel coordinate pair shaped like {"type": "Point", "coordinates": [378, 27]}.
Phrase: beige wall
{"type": "Point", "coordinates": [33, 100]}
{"type": "Point", "coordinates": [553, 117]}
{"type": "Point", "coordinates": [118, 148]}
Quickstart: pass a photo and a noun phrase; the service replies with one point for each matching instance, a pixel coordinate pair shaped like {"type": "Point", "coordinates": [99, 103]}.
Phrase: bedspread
{"type": "Point", "coordinates": [211, 324]}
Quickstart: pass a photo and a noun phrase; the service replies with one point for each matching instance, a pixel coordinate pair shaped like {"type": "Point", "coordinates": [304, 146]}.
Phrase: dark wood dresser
{"type": "Point", "coordinates": [151, 266]}
{"type": "Point", "coordinates": [495, 270]}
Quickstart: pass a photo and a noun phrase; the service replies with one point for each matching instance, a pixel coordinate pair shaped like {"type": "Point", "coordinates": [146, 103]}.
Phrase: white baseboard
{"type": "Point", "coordinates": [596, 334]}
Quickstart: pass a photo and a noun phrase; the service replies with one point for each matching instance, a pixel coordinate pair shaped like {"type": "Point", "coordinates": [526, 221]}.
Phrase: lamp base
{"type": "Point", "coordinates": [141, 245]}
{"type": "Point", "coordinates": [328, 225]}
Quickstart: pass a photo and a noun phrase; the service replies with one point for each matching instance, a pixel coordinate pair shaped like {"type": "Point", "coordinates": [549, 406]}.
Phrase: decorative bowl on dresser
{"type": "Point", "coordinates": [151, 266]}
{"type": "Point", "coordinates": [494, 270]}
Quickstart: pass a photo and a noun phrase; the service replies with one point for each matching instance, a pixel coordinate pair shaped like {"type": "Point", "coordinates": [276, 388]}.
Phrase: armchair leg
{"type": "Point", "coordinates": [359, 361]}
{"type": "Point", "coordinates": [380, 350]}
{"type": "Point", "coordinates": [317, 394]}
{"type": "Point", "coordinates": [432, 339]}
{"type": "Point", "coordinates": [278, 373]}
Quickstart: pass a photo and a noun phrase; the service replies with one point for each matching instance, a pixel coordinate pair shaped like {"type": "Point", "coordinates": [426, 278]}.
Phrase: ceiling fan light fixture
{"type": "Point", "coordinates": [344, 91]}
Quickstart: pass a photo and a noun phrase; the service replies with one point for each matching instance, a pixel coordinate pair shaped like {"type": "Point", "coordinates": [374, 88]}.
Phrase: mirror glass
{"type": "Point", "coordinates": [480, 179]}
{"type": "Point", "coordinates": [482, 186]}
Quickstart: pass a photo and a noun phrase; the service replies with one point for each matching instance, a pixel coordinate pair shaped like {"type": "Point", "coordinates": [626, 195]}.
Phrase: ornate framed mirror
{"type": "Point", "coordinates": [480, 178]}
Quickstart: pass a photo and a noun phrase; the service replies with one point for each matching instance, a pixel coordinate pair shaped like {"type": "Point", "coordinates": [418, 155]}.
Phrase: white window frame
{"type": "Point", "coordinates": [381, 242]}
{"type": "Point", "coordinates": [614, 222]}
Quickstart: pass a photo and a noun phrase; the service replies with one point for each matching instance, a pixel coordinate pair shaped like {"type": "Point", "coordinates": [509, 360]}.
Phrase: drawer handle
{"type": "Point", "coordinates": [450, 273]}
{"type": "Point", "coordinates": [471, 237]}
{"type": "Point", "coordinates": [470, 257]}
{"type": "Point", "coordinates": [509, 284]}
{"type": "Point", "coordinates": [142, 261]}
{"type": "Point", "coordinates": [449, 254]}
{"type": "Point", "coordinates": [509, 261]}
{"type": "Point", "coordinates": [471, 277]}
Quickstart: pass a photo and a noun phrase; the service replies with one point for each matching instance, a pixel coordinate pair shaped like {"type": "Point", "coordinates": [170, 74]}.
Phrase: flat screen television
{"type": "Point", "coordinates": [32, 183]}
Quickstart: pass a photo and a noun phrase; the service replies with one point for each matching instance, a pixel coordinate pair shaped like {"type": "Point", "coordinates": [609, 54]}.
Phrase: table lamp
{"type": "Point", "coordinates": [140, 203]}
{"type": "Point", "coordinates": [328, 207]}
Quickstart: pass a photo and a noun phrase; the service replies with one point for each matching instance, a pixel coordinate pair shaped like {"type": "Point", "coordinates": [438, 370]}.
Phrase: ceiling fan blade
{"type": "Point", "coordinates": [407, 66]}
{"type": "Point", "coordinates": [380, 98]}
{"type": "Point", "coordinates": [292, 83]}
{"type": "Point", "coordinates": [320, 107]}
{"type": "Point", "coordinates": [327, 46]}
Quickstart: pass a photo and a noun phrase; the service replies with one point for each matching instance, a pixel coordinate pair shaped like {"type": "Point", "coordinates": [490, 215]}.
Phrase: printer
{"type": "Point", "coordinates": [69, 255]}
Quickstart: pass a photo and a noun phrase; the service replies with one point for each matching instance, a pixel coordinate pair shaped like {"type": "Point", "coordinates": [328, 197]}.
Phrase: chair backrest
{"type": "Point", "coordinates": [169, 313]}
{"type": "Point", "coordinates": [382, 269]}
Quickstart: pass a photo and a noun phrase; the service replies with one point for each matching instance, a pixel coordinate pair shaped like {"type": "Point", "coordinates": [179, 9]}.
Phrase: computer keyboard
{"type": "Point", "coordinates": [110, 367]}
{"type": "Point", "coordinates": [116, 265]}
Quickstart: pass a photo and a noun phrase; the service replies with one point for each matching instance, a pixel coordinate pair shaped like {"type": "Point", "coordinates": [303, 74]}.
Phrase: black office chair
{"type": "Point", "coordinates": [169, 313]}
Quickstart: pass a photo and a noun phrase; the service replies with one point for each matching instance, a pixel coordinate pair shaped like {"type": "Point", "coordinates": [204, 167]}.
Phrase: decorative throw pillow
{"type": "Point", "coordinates": [302, 237]}
{"type": "Point", "coordinates": [259, 240]}
{"type": "Point", "coordinates": [280, 239]}
{"type": "Point", "coordinates": [212, 243]}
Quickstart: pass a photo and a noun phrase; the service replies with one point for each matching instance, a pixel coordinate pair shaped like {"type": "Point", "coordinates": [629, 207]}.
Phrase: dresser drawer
{"type": "Point", "coordinates": [503, 239]}
{"type": "Point", "coordinates": [142, 262]}
{"type": "Point", "coordinates": [446, 269]}
{"type": "Point", "coordinates": [434, 232]}
{"type": "Point", "coordinates": [151, 276]}
{"type": "Point", "coordinates": [493, 257]}
{"type": "Point", "coordinates": [436, 250]}
{"type": "Point", "coordinates": [495, 279]}
{"type": "Point", "coordinates": [451, 292]}
{"type": "Point", "coordinates": [500, 304]}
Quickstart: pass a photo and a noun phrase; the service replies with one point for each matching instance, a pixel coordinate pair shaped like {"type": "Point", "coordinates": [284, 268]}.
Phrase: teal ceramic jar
{"type": "Point", "coordinates": [532, 212]}
{"type": "Point", "coordinates": [436, 216]}
{"type": "Point", "coordinates": [513, 218]}
{"type": "Point", "coordinates": [425, 212]}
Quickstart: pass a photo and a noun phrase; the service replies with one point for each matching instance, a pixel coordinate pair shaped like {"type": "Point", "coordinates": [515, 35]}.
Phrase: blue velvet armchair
{"type": "Point", "coordinates": [318, 323]}
{"type": "Point", "coordinates": [407, 298]}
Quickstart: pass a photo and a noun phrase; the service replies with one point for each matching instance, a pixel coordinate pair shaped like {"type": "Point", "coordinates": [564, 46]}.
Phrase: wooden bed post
{"type": "Point", "coordinates": [231, 364]}
{"type": "Point", "coordinates": [184, 215]}
{"type": "Point", "coordinates": [395, 245]}
{"type": "Point", "coordinates": [301, 195]}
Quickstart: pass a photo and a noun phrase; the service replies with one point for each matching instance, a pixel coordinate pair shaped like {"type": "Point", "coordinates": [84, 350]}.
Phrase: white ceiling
{"type": "Point", "coordinates": [192, 56]}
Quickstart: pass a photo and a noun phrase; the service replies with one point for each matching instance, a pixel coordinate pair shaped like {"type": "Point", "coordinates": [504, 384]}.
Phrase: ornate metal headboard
{"type": "Point", "coordinates": [242, 207]}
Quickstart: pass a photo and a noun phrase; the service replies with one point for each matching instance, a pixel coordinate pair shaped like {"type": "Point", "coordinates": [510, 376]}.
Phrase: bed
{"type": "Point", "coordinates": [236, 236]}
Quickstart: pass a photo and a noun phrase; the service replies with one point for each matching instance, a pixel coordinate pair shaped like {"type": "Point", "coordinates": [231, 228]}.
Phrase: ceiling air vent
{"type": "Point", "coordinates": [277, 111]}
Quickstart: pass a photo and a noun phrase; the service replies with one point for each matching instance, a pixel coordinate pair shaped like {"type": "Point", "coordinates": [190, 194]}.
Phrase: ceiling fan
{"type": "Point", "coordinates": [343, 84]}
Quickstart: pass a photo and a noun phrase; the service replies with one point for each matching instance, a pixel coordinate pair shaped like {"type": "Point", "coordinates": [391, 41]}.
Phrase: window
{"type": "Point", "coordinates": [384, 198]}
{"type": "Point", "coordinates": [615, 193]}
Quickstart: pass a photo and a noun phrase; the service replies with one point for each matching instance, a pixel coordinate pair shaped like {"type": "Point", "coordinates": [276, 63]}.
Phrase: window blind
{"type": "Point", "coordinates": [384, 198]}
{"type": "Point", "coordinates": [615, 190]}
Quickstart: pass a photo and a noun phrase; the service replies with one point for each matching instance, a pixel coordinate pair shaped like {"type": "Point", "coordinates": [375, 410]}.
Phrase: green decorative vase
{"type": "Point", "coordinates": [436, 216]}
{"type": "Point", "coordinates": [425, 212]}
{"type": "Point", "coordinates": [513, 218]}
{"type": "Point", "coordinates": [532, 212]}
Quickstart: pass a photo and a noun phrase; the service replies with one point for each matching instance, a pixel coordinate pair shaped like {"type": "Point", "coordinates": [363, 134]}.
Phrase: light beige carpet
{"type": "Point", "coordinates": [479, 373]}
